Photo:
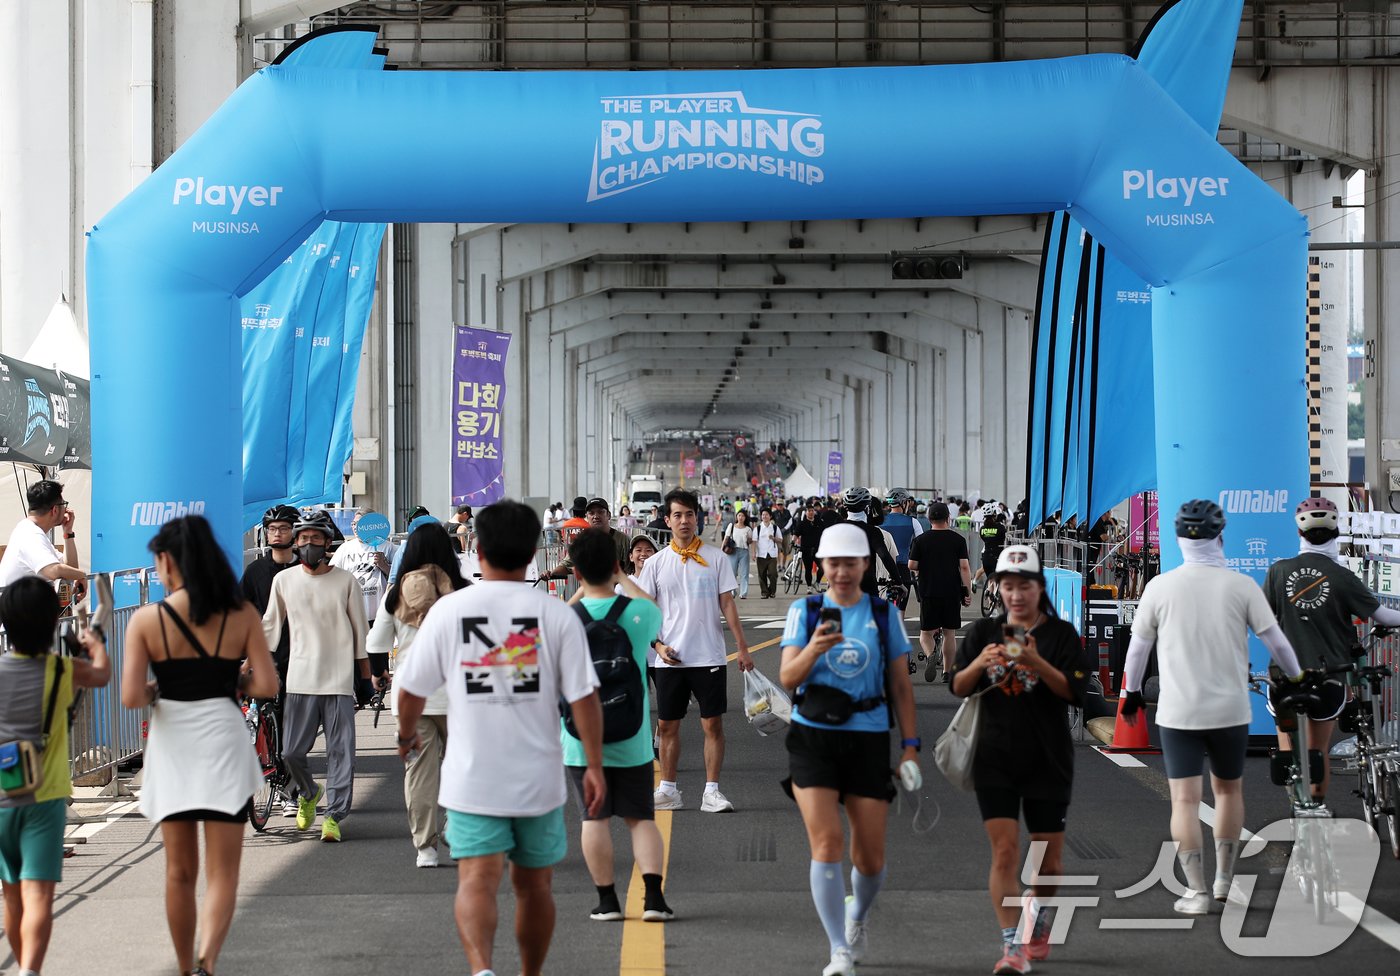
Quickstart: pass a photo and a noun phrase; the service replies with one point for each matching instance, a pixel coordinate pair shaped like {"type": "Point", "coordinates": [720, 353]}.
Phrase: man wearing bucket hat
{"type": "Point", "coordinates": [1198, 616]}
{"type": "Point", "coordinates": [1033, 667]}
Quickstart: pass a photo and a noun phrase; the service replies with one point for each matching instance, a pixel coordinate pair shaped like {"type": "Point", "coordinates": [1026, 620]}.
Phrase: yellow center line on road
{"type": "Point", "coordinates": [756, 647]}
{"type": "Point", "coordinates": [644, 943]}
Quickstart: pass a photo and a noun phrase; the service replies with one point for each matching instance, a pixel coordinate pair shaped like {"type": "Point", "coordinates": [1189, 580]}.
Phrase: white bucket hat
{"type": "Point", "coordinates": [843, 539]}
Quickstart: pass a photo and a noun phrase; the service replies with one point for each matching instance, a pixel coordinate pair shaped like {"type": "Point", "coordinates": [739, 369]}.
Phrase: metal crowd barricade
{"type": "Point", "coordinates": [103, 734]}
{"type": "Point", "coordinates": [1387, 651]}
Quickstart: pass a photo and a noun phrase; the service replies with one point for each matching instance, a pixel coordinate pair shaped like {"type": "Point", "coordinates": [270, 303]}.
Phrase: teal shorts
{"type": "Point", "coordinates": [531, 842]}
{"type": "Point", "coordinates": [31, 841]}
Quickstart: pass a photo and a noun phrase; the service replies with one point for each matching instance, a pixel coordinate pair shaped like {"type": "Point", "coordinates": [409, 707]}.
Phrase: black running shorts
{"type": "Point", "coordinates": [630, 790]}
{"type": "Point", "coordinates": [852, 763]}
{"type": "Point", "coordinates": [1042, 816]}
{"type": "Point", "coordinates": [676, 686]}
{"type": "Point", "coordinates": [1184, 751]}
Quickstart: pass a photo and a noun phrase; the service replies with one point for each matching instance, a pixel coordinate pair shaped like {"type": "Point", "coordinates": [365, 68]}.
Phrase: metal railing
{"type": "Point", "coordinates": [527, 34]}
{"type": "Point", "coordinates": [104, 735]}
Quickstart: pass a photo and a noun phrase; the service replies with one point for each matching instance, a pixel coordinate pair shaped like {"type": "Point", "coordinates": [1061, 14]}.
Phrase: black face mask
{"type": "Point", "coordinates": [312, 554]}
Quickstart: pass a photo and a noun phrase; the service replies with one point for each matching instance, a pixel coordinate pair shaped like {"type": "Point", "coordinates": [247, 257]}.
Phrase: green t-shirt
{"type": "Point", "coordinates": [1315, 600]}
{"type": "Point", "coordinates": [642, 622]}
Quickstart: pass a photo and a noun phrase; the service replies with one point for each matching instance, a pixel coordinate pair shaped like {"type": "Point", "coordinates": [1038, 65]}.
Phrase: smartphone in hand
{"type": "Point", "coordinates": [832, 616]}
{"type": "Point", "coordinates": [1014, 639]}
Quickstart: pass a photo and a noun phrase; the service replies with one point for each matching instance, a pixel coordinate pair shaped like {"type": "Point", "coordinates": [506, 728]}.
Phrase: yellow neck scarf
{"type": "Point", "coordinates": [690, 552]}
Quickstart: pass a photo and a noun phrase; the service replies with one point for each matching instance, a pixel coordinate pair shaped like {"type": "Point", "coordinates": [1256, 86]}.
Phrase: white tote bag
{"type": "Point", "coordinates": [956, 749]}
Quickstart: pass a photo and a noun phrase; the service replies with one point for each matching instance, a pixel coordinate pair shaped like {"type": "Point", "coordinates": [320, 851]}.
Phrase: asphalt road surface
{"type": "Point", "coordinates": [738, 882]}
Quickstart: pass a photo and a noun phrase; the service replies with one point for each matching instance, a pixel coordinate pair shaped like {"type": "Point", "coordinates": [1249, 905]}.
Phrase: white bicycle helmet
{"type": "Point", "coordinates": [1316, 513]}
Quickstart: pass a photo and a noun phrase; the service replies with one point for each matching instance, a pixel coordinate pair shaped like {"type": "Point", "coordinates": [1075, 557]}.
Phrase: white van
{"type": "Point", "coordinates": [645, 497]}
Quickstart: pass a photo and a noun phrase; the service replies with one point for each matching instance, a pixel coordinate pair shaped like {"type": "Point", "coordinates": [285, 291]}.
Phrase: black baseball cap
{"type": "Point", "coordinates": [597, 503]}
{"type": "Point", "coordinates": [938, 512]}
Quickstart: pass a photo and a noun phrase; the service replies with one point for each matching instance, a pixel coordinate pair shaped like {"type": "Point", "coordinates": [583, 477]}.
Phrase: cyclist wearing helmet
{"type": "Point", "coordinates": [903, 528]}
{"type": "Point", "coordinates": [1315, 599]}
{"type": "Point", "coordinates": [1198, 616]}
{"type": "Point", "coordinates": [325, 609]}
{"type": "Point", "coordinates": [277, 524]}
{"type": "Point", "coordinates": [858, 503]}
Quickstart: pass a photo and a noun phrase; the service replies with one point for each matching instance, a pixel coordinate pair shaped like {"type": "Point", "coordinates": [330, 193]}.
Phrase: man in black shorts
{"type": "Point", "coordinates": [627, 763]}
{"type": "Point", "coordinates": [690, 580]}
{"type": "Point", "coordinates": [939, 556]}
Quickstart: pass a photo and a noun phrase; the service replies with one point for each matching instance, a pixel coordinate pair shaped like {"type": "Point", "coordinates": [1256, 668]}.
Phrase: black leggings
{"type": "Point", "coordinates": [809, 559]}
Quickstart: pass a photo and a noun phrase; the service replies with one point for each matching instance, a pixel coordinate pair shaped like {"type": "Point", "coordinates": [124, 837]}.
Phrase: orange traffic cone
{"type": "Point", "coordinates": [1130, 737]}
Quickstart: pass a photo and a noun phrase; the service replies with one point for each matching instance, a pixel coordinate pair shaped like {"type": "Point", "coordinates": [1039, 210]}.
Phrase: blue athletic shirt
{"type": "Point", "coordinates": [852, 665]}
{"type": "Point", "coordinates": [901, 530]}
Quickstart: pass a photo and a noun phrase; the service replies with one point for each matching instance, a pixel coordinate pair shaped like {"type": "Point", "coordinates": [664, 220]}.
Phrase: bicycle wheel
{"type": "Point", "coordinates": [989, 601]}
{"type": "Point", "coordinates": [1390, 806]}
{"type": "Point", "coordinates": [1372, 786]}
{"type": "Point", "coordinates": [265, 743]}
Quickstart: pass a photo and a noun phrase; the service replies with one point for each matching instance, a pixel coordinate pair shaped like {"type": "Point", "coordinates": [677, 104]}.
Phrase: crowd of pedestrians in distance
{"type": "Point", "coordinates": [507, 700]}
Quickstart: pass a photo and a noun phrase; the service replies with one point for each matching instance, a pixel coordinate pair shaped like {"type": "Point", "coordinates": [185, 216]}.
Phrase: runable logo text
{"type": "Point", "coordinates": [1254, 502]}
{"type": "Point", "coordinates": [158, 513]}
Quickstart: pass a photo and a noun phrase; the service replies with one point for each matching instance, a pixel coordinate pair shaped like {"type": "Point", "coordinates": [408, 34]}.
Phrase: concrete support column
{"type": "Point", "coordinates": [1016, 365]}
{"type": "Point", "coordinates": [975, 395]}
{"type": "Point", "coordinates": [433, 389]}
{"type": "Point", "coordinates": [1382, 303]}
{"type": "Point", "coordinates": [881, 406]}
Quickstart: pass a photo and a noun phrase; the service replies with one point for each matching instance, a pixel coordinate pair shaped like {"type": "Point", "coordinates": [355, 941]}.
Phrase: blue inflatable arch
{"type": "Point", "coordinates": [1095, 136]}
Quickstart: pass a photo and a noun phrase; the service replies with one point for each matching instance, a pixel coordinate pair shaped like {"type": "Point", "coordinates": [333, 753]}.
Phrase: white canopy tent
{"type": "Point", "coordinates": [801, 484]}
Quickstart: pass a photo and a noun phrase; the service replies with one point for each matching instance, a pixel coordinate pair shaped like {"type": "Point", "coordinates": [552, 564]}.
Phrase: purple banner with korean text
{"type": "Point", "coordinates": [833, 473]}
{"type": "Point", "coordinates": [479, 392]}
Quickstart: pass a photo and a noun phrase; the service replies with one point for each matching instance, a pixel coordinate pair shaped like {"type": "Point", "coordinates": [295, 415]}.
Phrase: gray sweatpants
{"type": "Point", "coordinates": [303, 717]}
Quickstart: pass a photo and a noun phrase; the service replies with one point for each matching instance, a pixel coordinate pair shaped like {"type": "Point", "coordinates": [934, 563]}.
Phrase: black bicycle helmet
{"type": "Point", "coordinates": [1200, 518]}
{"type": "Point", "coordinates": [281, 513]}
{"type": "Point", "coordinates": [319, 519]}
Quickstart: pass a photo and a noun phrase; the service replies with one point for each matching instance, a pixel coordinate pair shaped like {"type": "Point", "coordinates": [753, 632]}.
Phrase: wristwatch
{"type": "Point", "coordinates": [404, 742]}
{"type": "Point", "coordinates": [70, 535]}
{"type": "Point", "coordinates": [915, 744]}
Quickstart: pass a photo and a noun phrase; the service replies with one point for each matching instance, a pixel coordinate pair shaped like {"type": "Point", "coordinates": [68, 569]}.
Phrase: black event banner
{"type": "Point", "coordinates": [44, 416]}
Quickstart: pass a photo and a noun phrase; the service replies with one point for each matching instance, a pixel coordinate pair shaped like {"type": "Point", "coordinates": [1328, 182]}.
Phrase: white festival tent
{"type": "Point", "coordinates": [60, 345]}
{"type": "Point", "coordinates": [801, 484]}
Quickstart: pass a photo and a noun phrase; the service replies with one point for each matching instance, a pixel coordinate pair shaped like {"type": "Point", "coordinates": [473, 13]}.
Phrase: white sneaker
{"type": "Point", "coordinates": [857, 936]}
{"type": "Point", "coordinates": [427, 857]}
{"type": "Point", "coordinates": [715, 802]}
{"type": "Point", "coordinates": [1193, 903]}
{"type": "Point", "coordinates": [1228, 891]}
{"type": "Point", "coordinates": [842, 964]}
{"type": "Point", "coordinates": [666, 800]}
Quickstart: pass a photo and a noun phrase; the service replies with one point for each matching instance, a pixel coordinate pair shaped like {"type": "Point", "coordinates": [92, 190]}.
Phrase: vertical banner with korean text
{"type": "Point", "coordinates": [479, 389]}
{"type": "Point", "coordinates": [833, 473]}
{"type": "Point", "coordinates": [1142, 522]}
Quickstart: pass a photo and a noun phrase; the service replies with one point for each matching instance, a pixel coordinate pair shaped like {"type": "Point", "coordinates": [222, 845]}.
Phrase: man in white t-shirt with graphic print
{"type": "Point", "coordinates": [507, 654]}
{"type": "Point", "coordinates": [690, 580]}
{"type": "Point", "coordinates": [31, 552]}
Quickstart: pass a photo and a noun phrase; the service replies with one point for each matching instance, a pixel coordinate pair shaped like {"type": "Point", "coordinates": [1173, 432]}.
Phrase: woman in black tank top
{"type": "Point", "coordinates": [199, 764]}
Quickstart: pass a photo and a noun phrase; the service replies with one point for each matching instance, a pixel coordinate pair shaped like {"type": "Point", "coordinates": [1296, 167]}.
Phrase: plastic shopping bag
{"type": "Point", "coordinates": [766, 704]}
{"type": "Point", "coordinates": [956, 748]}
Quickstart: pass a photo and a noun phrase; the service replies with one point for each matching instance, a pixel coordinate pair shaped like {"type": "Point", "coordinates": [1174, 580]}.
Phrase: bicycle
{"type": "Point", "coordinates": [1377, 765]}
{"type": "Point", "coordinates": [265, 728]}
{"type": "Point", "coordinates": [792, 573]}
{"type": "Point", "coordinates": [1311, 862]}
{"type": "Point", "coordinates": [991, 599]}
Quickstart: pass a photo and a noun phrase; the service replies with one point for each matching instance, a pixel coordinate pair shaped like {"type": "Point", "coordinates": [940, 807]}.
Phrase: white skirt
{"type": "Point", "coordinates": [199, 756]}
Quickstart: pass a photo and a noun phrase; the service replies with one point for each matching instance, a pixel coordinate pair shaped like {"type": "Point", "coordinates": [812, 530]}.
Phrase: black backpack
{"type": "Point", "coordinates": [620, 688]}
